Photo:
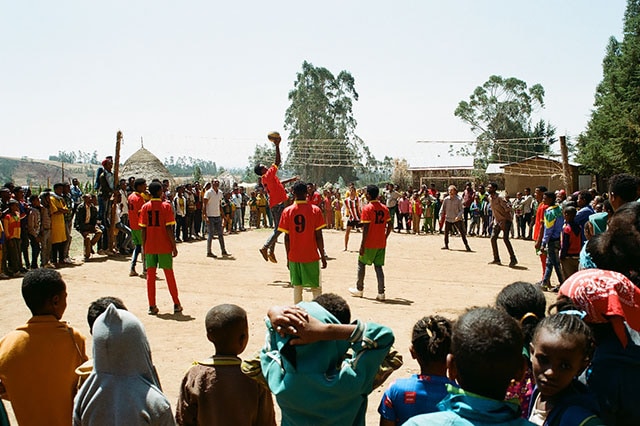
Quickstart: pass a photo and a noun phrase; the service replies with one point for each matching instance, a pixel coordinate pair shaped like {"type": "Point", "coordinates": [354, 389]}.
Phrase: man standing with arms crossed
{"type": "Point", "coordinates": [277, 196]}
{"type": "Point", "coordinates": [211, 215]}
{"type": "Point", "coordinates": [376, 225]}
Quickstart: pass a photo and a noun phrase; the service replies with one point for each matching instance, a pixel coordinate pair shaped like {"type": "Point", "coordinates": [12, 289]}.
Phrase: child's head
{"type": "Point", "coordinates": [486, 352]}
{"type": "Point", "coordinates": [525, 303]}
{"type": "Point", "coordinates": [227, 329]}
{"type": "Point", "coordinates": [431, 341]}
{"type": "Point", "coordinates": [100, 305]}
{"type": "Point", "coordinates": [569, 213]}
{"type": "Point", "coordinates": [560, 350]}
{"type": "Point", "coordinates": [44, 292]}
{"type": "Point", "coordinates": [300, 190]}
{"type": "Point", "coordinates": [34, 200]}
{"type": "Point", "coordinates": [336, 305]}
{"type": "Point", "coordinates": [372, 192]}
{"type": "Point", "coordinates": [14, 206]}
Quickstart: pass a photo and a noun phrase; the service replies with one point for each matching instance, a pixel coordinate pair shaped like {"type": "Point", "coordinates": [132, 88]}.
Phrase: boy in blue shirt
{"type": "Point", "coordinates": [486, 354]}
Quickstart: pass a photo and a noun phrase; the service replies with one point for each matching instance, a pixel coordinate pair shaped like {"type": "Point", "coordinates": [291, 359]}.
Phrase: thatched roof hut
{"type": "Point", "coordinates": [146, 165]}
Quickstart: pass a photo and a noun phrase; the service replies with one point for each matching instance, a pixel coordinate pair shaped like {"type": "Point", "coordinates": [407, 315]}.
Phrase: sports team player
{"type": "Point", "coordinates": [302, 224]}
{"type": "Point", "coordinates": [376, 224]}
{"type": "Point", "coordinates": [156, 219]}
{"type": "Point", "coordinates": [277, 196]}
{"type": "Point", "coordinates": [135, 202]}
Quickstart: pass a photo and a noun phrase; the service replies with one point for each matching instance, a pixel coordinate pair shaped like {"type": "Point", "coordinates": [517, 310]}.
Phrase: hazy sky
{"type": "Point", "coordinates": [209, 79]}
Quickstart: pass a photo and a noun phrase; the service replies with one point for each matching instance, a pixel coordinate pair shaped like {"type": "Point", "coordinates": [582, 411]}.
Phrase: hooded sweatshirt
{"type": "Point", "coordinates": [123, 387]}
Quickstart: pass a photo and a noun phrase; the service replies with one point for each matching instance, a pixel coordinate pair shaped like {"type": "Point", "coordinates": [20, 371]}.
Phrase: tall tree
{"type": "Point", "coordinates": [501, 109]}
{"type": "Point", "coordinates": [322, 141]}
{"type": "Point", "coordinates": [611, 143]}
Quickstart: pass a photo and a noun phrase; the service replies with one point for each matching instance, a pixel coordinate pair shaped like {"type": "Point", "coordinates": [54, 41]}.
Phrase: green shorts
{"type": "Point", "coordinates": [136, 237]}
{"type": "Point", "coordinates": [164, 261]}
{"type": "Point", "coordinates": [372, 256]}
{"type": "Point", "coordinates": [305, 274]}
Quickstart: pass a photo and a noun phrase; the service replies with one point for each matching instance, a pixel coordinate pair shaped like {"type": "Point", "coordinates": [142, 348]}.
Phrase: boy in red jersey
{"type": "Point", "coordinates": [135, 202]}
{"type": "Point", "coordinates": [156, 218]}
{"type": "Point", "coordinates": [376, 224]}
{"type": "Point", "coordinates": [302, 224]}
{"type": "Point", "coordinates": [277, 197]}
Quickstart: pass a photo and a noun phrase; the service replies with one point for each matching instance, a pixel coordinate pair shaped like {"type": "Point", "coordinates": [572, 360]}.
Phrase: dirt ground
{"type": "Point", "coordinates": [421, 279]}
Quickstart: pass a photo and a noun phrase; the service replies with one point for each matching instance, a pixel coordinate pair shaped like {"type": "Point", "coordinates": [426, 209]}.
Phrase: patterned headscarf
{"type": "Point", "coordinates": [606, 297]}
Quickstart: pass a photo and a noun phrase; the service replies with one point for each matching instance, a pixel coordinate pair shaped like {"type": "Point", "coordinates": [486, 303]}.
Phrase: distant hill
{"type": "Point", "coordinates": [42, 173]}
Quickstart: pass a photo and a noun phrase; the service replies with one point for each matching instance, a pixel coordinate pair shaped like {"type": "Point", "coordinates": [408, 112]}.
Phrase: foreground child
{"type": "Point", "coordinates": [123, 387]}
{"type": "Point", "coordinates": [320, 369]}
{"type": "Point", "coordinates": [486, 354]}
{"type": "Point", "coordinates": [215, 391]}
{"type": "Point", "coordinates": [560, 351]}
{"type": "Point", "coordinates": [37, 361]}
{"type": "Point", "coordinates": [421, 393]}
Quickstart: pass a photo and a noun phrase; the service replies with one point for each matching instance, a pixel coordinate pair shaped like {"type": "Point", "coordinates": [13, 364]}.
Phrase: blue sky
{"type": "Point", "coordinates": [210, 79]}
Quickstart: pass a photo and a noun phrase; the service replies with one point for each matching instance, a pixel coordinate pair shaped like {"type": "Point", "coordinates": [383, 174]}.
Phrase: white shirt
{"type": "Point", "coordinates": [213, 202]}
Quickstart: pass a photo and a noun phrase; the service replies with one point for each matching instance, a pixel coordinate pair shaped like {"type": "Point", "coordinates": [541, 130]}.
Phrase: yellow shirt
{"type": "Point", "coordinates": [58, 231]}
{"type": "Point", "coordinates": [37, 368]}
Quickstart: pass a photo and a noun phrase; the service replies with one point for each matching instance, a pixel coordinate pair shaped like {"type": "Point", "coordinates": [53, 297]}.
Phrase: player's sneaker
{"type": "Point", "coordinates": [133, 273]}
{"type": "Point", "coordinates": [153, 310]}
{"type": "Point", "coordinates": [272, 257]}
{"type": "Point", "coordinates": [513, 262]}
{"type": "Point", "coordinates": [211, 255]}
{"type": "Point", "coordinates": [177, 309]}
{"type": "Point", "coordinates": [380, 297]}
{"type": "Point", "coordinates": [355, 292]}
{"type": "Point", "coordinates": [265, 253]}
{"type": "Point", "coordinates": [495, 262]}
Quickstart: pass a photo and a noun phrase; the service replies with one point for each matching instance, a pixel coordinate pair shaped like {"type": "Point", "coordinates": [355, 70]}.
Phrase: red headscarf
{"type": "Point", "coordinates": [606, 297]}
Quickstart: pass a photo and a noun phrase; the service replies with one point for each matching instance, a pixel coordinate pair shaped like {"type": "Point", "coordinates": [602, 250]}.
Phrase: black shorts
{"type": "Point", "coordinates": [353, 223]}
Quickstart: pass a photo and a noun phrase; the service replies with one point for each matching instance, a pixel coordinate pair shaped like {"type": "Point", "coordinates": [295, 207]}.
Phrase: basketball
{"type": "Point", "coordinates": [274, 137]}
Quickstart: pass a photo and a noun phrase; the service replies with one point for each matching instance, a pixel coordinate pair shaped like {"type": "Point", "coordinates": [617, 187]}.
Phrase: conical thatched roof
{"type": "Point", "coordinates": [146, 165]}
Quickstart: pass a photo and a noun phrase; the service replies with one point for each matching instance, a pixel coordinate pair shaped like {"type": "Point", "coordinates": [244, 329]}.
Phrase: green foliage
{"type": "Point", "coordinates": [321, 113]}
{"type": "Point", "coordinates": [184, 166]}
{"type": "Point", "coordinates": [7, 166]}
{"type": "Point", "coordinates": [611, 143]}
{"type": "Point", "coordinates": [263, 154]}
{"type": "Point", "coordinates": [197, 174]}
{"type": "Point", "coordinates": [501, 110]}
{"type": "Point", "coordinates": [79, 157]}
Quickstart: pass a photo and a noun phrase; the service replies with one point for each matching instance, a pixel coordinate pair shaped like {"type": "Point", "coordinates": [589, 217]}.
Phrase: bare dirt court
{"type": "Point", "coordinates": [421, 279]}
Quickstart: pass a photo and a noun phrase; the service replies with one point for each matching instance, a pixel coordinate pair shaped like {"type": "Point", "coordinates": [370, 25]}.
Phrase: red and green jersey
{"type": "Point", "coordinates": [300, 221]}
{"type": "Point", "coordinates": [155, 216]}
{"type": "Point", "coordinates": [274, 187]}
{"type": "Point", "coordinates": [135, 201]}
{"type": "Point", "coordinates": [376, 215]}
{"type": "Point", "coordinates": [11, 226]}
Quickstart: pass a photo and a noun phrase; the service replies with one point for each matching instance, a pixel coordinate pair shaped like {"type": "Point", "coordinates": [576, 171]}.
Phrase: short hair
{"type": "Point", "coordinates": [98, 306]}
{"type": "Point", "coordinates": [493, 185]}
{"type": "Point", "coordinates": [550, 195]}
{"type": "Point", "coordinates": [526, 188]}
{"type": "Point", "coordinates": [586, 195]}
{"type": "Point", "coordinates": [373, 191]}
{"type": "Point", "coordinates": [564, 323]}
{"type": "Point", "coordinates": [570, 210]}
{"type": "Point", "coordinates": [336, 306]}
{"type": "Point", "coordinates": [525, 303]}
{"type": "Point", "coordinates": [58, 185]}
{"type": "Point", "coordinates": [221, 322]}
{"type": "Point", "coordinates": [541, 188]}
{"type": "Point", "coordinates": [39, 286]}
{"type": "Point", "coordinates": [624, 186]}
{"type": "Point", "coordinates": [155, 188]}
{"type": "Point", "coordinates": [300, 188]}
{"type": "Point", "coordinates": [431, 339]}
{"type": "Point", "coordinates": [258, 169]}
{"type": "Point", "coordinates": [487, 348]}
{"type": "Point", "coordinates": [32, 198]}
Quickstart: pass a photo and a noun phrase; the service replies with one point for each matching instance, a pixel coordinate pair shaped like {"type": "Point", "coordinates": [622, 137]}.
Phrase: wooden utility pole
{"type": "Point", "coordinates": [567, 179]}
{"type": "Point", "coordinates": [116, 170]}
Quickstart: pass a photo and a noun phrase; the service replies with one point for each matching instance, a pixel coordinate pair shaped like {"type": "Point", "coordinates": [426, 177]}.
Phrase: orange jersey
{"type": "Point", "coordinates": [135, 201]}
{"type": "Point", "coordinates": [300, 221]}
{"type": "Point", "coordinates": [155, 216]}
{"type": "Point", "coordinates": [376, 215]}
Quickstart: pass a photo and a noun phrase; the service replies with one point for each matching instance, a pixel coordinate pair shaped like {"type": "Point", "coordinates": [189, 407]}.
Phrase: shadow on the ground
{"type": "Point", "coordinates": [176, 317]}
{"type": "Point", "coordinates": [395, 301]}
{"type": "Point", "coordinates": [280, 283]}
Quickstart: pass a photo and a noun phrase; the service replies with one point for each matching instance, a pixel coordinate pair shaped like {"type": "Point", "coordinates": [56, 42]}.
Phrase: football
{"type": "Point", "coordinates": [274, 137]}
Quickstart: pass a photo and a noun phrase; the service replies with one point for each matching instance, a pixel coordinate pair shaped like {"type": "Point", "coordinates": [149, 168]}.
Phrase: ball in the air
{"type": "Point", "coordinates": [274, 137]}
